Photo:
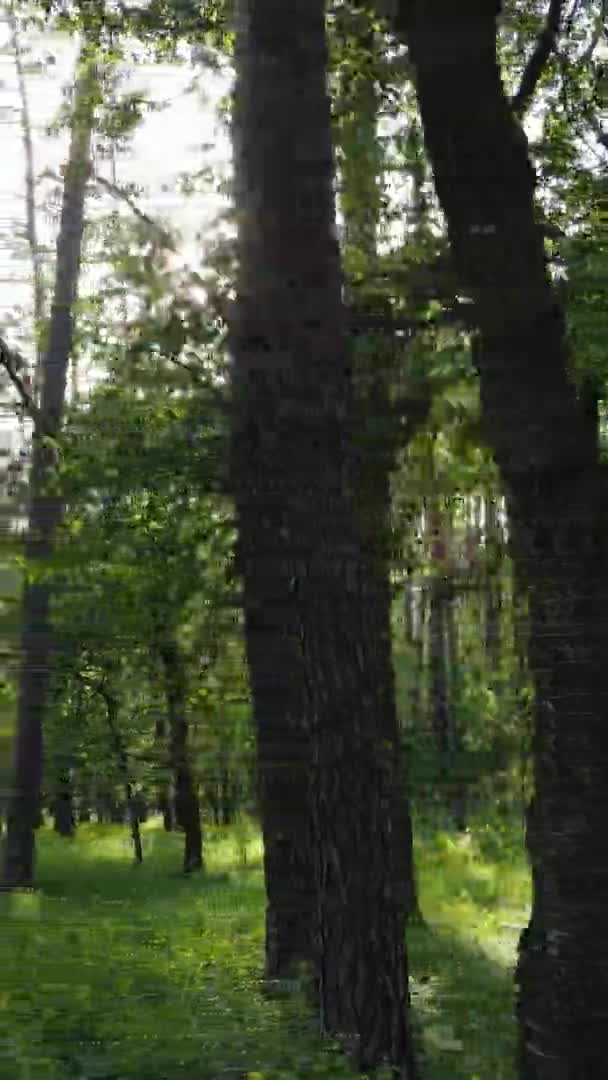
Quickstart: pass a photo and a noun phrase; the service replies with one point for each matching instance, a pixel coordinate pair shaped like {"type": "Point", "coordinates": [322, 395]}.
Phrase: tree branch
{"type": "Point", "coordinates": [572, 16]}
{"type": "Point", "coordinates": [192, 371]}
{"type": "Point", "coordinates": [119, 193]}
{"type": "Point", "coordinates": [537, 61]}
{"type": "Point", "coordinates": [600, 22]}
{"type": "Point", "coordinates": [11, 361]}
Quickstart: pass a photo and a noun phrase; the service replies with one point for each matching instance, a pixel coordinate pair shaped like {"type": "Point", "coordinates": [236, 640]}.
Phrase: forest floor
{"type": "Point", "coordinates": [114, 973]}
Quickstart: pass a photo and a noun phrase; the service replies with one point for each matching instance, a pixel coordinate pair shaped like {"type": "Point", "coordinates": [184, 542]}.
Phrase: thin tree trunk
{"type": "Point", "coordinates": [457, 779]}
{"type": "Point", "coordinates": [357, 108]}
{"type": "Point", "coordinates": [493, 590]}
{"type": "Point", "coordinates": [117, 813]}
{"type": "Point", "coordinates": [448, 743]}
{"type": "Point", "coordinates": [164, 794]}
{"type": "Point", "coordinates": [546, 447]}
{"type": "Point", "coordinates": [440, 694]}
{"type": "Point", "coordinates": [186, 800]}
{"type": "Point", "coordinates": [414, 633]}
{"type": "Point", "coordinates": [30, 201]}
{"type": "Point", "coordinates": [63, 805]}
{"type": "Point", "coordinates": [166, 805]}
{"type": "Point", "coordinates": [46, 510]}
{"type": "Point", "coordinates": [305, 575]}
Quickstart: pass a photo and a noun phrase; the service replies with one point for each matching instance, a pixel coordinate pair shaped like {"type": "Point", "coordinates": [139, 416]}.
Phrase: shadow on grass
{"type": "Point", "coordinates": [463, 1001]}
{"type": "Point", "coordinates": [156, 985]}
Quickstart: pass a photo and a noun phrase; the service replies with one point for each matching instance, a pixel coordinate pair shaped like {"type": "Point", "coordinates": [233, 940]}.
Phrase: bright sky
{"type": "Point", "coordinates": [167, 144]}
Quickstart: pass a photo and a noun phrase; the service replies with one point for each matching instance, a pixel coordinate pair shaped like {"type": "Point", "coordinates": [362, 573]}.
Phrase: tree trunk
{"type": "Point", "coordinates": [380, 437]}
{"type": "Point", "coordinates": [440, 692]}
{"type": "Point", "coordinates": [493, 590]}
{"type": "Point", "coordinates": [30, 199]}
{"type": "Point", "coordinates": [416, 617]}
{"type": "Point", "coordinates": [101, 810]}
{"type": "Point", "coordinates": [228, 795]}
{"type": "Point", "coordinates": [134, 815]}
{"type": "Point", "coordinates": [547, 450]}
{"type": "Point", "coordinates": [166, 806]}
{"type": "Point", "coordinates": [63, 806]}
{"type": "Point", "coordinates": [309, 589]}
{"type": "Point", "coordinates": [164, 795]}
{"type": "Point", "coordinates": [46, 510]}
{"type": "Point", "coordinates": [443, 668]}
{"type": "Point", "coordinates": [457, 779]}
{"type": "Point", "coordinates": [186, 801]}
{"type": "Point", "coordinates": [118, 811]}
{"type": "Point", "coordinates": [283, 750]}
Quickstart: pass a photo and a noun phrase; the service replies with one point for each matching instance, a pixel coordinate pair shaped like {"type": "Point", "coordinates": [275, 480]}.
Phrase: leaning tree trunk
{"type": "Point", "coordinates": [307, 582]}
{"type": "Point", "coordinates": [546, 446]}
{"type": "Point", "coordinates": [46, 510]}
{"type": "Point", "coordinates": [186, 800]}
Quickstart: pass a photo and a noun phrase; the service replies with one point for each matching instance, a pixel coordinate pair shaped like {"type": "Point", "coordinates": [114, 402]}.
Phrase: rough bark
{"type": "Point", "coordinates": [46, 510]}
{"type": "Point", "coordinates": [283, 747]}
{"type": "Point", "coordinates": [380, 435]}
{"type": "Point", "coordinates": [185, 789]}
{"type": "Point", "coordinates": [307, 581]}
{"type": "Point", "coordinates": [547, 451]}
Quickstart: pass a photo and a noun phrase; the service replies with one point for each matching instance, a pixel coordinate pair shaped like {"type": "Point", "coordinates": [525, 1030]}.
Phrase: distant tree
{"type": "Point", "coordinates": [46, 508]}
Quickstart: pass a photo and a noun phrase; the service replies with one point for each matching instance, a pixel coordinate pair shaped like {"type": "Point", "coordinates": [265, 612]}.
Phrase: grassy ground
{"type": "Point", "coordinates": [110, 973]}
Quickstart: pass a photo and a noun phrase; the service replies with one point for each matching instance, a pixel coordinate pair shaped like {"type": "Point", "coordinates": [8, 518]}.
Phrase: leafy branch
{"type": "Point", "coordinates": [539, 58]}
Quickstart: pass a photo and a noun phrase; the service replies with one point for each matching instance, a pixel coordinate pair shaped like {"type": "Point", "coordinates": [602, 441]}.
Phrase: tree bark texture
{"type": "Point", "coordinates": [319, 659]}
{"type": "Point", "coordinates": [546, 448]}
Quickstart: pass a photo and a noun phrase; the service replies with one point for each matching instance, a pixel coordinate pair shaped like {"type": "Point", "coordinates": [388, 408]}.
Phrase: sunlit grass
{"type": "Point", "coordinates": [110, 972]}
{"type": "Point", "coordinates": [474, 893]}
